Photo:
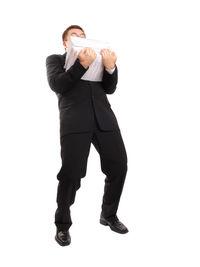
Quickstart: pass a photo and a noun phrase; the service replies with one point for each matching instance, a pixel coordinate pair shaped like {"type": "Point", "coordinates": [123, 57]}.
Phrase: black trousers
{"type": "Point", "coordinates": [75, 149]}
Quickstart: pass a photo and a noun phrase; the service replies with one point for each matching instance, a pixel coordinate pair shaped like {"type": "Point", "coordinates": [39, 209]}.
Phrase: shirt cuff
{"type": "Point", "coordinates": [111, 70]}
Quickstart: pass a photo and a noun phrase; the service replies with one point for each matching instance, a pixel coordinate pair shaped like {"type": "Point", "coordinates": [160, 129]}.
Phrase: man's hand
{"type": "Point", "coordinates": [109, 58]}
{"type": "Point", "coordinates": [86, 57]}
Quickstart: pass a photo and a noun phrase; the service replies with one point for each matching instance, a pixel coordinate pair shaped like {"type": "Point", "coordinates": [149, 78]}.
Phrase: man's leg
{"type": "Point", "coordinates": [75, 149]}
{"type": "Point", "coordinates": [111, 149]}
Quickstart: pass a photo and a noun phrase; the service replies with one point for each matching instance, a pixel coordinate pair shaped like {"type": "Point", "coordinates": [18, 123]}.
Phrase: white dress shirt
{"type": "Point", "coordinates": [111, 71]}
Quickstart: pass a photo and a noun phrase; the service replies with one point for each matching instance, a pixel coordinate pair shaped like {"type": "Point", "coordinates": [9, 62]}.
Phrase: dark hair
{"type": "Point", "coordinates": [69, 28]}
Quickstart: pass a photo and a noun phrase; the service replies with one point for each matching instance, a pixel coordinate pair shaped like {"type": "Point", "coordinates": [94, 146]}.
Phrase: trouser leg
{"type": "Point", "coordinates": [75, 149]}
{"type": "Point", "coordinates": [111, 149]}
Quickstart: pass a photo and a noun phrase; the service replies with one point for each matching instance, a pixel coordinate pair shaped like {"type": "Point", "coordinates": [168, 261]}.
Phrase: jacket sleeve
{"type": "Point", "coordinates": [109, 81]}
{"type": "Point", "coordinates": [61, 81]}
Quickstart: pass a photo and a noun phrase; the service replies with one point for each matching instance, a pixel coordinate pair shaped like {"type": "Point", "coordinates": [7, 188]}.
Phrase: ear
{"type": "Point", "coordinates": [65, 44]}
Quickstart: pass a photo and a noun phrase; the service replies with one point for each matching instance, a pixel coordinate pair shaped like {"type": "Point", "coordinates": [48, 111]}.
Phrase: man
{"type": "Point", "coordinates": [86, 117]}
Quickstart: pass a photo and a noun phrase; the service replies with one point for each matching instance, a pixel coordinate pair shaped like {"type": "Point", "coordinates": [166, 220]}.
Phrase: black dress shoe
{"type": "Point", "coordinates": [63, 237]}
{"type": "Point", "coordinates": [115, 224]}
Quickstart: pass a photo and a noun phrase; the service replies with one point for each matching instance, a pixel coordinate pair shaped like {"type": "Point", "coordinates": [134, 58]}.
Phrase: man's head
{"type": "Point", "coordinates": [73, 30]}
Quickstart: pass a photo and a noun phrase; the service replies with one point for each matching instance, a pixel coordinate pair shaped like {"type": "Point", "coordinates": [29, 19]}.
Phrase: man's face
{"type": "Point", "coordinates": [73, 32]}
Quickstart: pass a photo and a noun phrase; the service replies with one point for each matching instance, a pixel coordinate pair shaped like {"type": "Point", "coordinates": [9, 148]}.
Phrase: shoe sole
{"type": "Point", "coordinates": [112, 228]}
{"type": "Point", "coordinates": [62, 244]}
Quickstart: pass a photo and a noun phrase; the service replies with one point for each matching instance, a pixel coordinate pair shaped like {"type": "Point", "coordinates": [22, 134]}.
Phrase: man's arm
{"type": "Point", "coordinates": [110, 74]}
{"type": "Point", "coordinates": [61, 81]}
{"type": "Point", "coordinates": [109, 81]}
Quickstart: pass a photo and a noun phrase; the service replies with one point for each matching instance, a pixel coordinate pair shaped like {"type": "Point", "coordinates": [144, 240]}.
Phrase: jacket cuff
{"type": "Point", "coordinates": [110, 71]}
{"type": "Point", "coordinates": [80, 67]}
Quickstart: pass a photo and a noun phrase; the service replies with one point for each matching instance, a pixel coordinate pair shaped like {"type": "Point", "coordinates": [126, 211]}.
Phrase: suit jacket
{"type": "Point", "coordinates": [80, 100]}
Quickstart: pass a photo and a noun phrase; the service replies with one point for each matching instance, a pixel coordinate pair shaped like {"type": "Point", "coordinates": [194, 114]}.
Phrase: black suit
{"type": "Point", "coordinates": [77, 97]}
{"type": "Point", "coordinates": [86, 117]}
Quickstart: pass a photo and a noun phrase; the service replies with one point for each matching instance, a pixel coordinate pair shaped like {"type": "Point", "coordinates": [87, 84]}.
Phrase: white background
{"type": "Point", "coordinates": [157, 107]}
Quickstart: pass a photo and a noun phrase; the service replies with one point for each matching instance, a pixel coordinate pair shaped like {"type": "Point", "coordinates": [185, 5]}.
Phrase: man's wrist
{"type": "Point", "coordinates": [83, 64]}
{"type": "Point", "coordinates": [110, 70]}
{"type": "Point", "coordinates": [110, 67]}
